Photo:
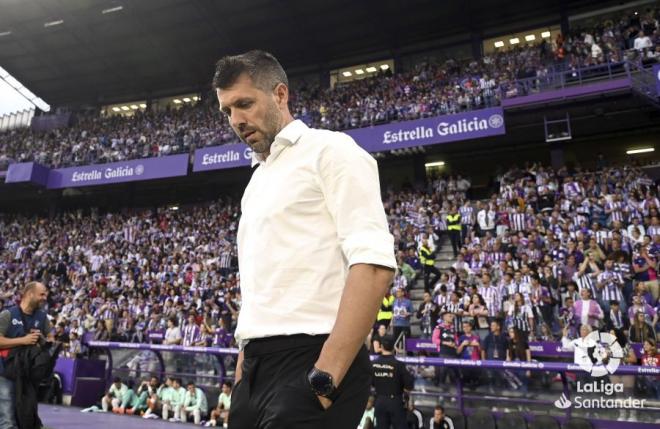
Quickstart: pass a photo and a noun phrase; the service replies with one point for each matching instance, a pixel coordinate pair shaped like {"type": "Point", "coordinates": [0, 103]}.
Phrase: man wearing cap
{"type": "Point", "coordinates": [390, 379]}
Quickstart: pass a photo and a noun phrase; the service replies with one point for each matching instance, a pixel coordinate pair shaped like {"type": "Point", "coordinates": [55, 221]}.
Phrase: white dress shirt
{"type": "Point", "coordinates": [311, 210]}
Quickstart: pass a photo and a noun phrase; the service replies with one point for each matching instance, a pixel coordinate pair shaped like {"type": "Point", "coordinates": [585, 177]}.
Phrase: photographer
{"type": "Point", "coordinates": [22, 325]}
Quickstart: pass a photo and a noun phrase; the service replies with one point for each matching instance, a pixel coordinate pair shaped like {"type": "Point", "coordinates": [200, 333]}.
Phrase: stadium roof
{"type": "Point", "coordinates": [81, 51]}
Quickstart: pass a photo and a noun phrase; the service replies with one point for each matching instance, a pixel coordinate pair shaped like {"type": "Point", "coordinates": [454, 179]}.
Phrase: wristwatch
{"type": "Point", "coordinates": [322, 383]}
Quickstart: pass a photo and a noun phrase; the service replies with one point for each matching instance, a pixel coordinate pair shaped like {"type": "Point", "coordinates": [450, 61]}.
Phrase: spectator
{"type": "Point", "coordinates": [642, 41]}
{"type": "Point", "coordinates": [114, 396]}
{"type": "Point", "coordinates": [220, 414]}
{"type": "Point", "coordinates": [155, 397]}
{"type": "Point", "coordinates": [175, 403]}
{"type": "Point", "coordinates": [402, 311]}
{"type": "Point", "coordinates": [194, 404]}
{"type": "Point", "coordinates": [428, 313]}
{"type": "Point", "coordinates": [640, 330]}
{"type": "Point", "coordinates": [650, 358]}
{"type": "Point", "coordinates": [440, 420]}
{"type": "Point", "coordinates": [518, 350]}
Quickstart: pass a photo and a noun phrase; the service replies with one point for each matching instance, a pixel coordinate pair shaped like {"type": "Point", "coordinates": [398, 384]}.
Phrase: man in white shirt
{"type": "Point", "coordinates": [315, 258]}
{"type": "Point", "coordinates": [642, 41]}
{"type": "Point", "coordinates": [486, 219]}
{"type": "Point", "coordinates": [173, 334]}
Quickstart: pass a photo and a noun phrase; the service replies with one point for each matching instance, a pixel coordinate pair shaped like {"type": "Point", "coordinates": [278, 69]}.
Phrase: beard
{"type": "Point", "coordinates": [270, 129]}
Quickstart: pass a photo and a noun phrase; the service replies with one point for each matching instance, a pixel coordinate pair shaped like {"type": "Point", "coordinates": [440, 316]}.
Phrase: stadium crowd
{"type": "Point", "coordinates": [550, 256]}
{"type": "Point", "coordinates": [429, 88]}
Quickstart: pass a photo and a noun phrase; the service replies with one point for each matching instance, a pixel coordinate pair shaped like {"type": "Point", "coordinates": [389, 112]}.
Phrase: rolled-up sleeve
{"type": "Point", "coordinates": [351, 188]}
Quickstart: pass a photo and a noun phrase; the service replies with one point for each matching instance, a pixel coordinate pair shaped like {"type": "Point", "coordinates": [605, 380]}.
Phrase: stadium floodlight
{"type": "Point", "coordinates": [134, 106]}
{"type": "Point", "coordinates": [434, 164]}
{"type": "Point", "coordinates": [54, 23]}
{"type": "Point", "coordinates": [5, 33]}
{"type": "Point", "coordinates": [143, 106]}
{"type": "Point", "coordinates": [642, 150]}
{"type": "Point", "coordinates": [514, 41]}
{"type": "Point", "coordinates": [359, 71]}
{"type": "Point", "coordinates": [195, 98]}
{"type": "Point", "coordinates": [174, 208]}
{"type": "Point", "coordinates": [384, 66]}
{"type": "Point", "coordinates": [112, 10]}
{"type": "Point", "coordinates": [499, 44]}
{"type": "Point", "coordinates": [187, 100]}
{"type": "Point", "coordinates": [347, 74]}
{"type": "Point", "coordinates": [116, 109]}
{"type": "Point", "coordinates": [371, 69]}
{"type": "Point", "coordinates": [176, 101]}
{"type": "Point", "coordinates": [125, 108]}
{"type": "Point", "coordinates": [530, 37]}
{"type": "Point", "coordinates": [545, 34]}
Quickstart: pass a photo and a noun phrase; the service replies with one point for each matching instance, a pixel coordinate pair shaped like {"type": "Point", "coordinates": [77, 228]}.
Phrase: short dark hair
{"type": "Point", "coordinates": [227, 383]}
{"type": "Point", "coordinates": [440, 408]}
{"type": "Point", "coordinates": [262, 67]}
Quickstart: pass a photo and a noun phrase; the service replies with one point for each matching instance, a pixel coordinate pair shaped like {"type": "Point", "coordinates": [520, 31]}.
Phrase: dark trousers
{"type": "Point", "coordinates": [273, 392]}
{"type": "Point", "coordinates": [390, 411]}
{"type": "Point", "coordinates": [399, 329]}
{"type": "Point", "coordinates": [455, 238]}
{"type": "Point", "coordinates": [428, 271]}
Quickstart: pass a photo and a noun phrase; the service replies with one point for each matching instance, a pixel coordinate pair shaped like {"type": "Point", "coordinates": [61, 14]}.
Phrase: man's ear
{"type": "Point", "coordinates": [281, 93]}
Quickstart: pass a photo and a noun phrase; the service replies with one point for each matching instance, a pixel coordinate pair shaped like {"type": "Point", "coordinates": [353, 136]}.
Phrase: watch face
{"type": "Point", "coordinates": [321, 383]}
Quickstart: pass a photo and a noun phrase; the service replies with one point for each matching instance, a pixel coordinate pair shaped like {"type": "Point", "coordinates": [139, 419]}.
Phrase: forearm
{"type": "Point", "coordinates": [364, 291]}
{"type": "Point", "coordinates": [8, 343]}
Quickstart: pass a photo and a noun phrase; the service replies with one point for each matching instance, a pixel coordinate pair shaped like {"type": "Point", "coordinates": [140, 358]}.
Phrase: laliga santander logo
{"type": "Point", "coordinates": [599, 354]}
{"type": "Point", "coordinates": [563, 402]}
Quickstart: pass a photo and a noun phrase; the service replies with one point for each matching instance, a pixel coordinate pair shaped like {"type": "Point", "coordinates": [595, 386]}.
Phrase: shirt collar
{"type": "Point", "coordinates": [288, 136]}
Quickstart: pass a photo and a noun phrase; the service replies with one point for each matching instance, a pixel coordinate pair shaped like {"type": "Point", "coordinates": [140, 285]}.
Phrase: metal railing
{"type": "Point", "coordinates": [457, 392]}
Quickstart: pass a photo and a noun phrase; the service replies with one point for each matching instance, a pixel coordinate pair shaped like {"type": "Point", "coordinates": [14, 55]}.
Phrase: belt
{"type": "Point", "coordinates": [389, 396]}
{"type": "Point", "coordinates": [279, 343]}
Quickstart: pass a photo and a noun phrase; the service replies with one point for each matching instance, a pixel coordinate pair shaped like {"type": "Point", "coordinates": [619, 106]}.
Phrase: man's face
{"type": "Point", "coordinates": [38, 296]}
{"type": "Point", "coordinates": [253, 114]}
{"type": "Point", "coordinates": [225, 389]}
{"type": "Point", "coordinates": [438, 415]}
{"type": "Point", "coordinates": [584, 293]}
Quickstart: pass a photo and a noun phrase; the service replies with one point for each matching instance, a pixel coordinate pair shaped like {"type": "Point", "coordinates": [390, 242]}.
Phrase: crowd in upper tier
{"type": "Point", "coordinates": [527, 256]}
{"type": "Point", "coordinates": [429, 88]}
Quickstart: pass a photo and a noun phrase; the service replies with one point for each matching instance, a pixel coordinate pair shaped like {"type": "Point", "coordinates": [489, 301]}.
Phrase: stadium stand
{"type": "Point", "coordinates": [545, 252]}
{"type": "Point", "coordinates": [429, 88]}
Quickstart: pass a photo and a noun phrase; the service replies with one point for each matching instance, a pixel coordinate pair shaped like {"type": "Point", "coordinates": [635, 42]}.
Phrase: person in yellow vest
{"type": "Point", "coordinates": [385, 313]}
{"type": "Point", "coordinates": [427, 258]}
{"type": "Point", "coordinates": [454, 229]}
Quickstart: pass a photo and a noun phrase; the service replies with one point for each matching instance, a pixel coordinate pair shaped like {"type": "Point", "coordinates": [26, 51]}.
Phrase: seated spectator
{"type": "Point", "coordinates": [194, 404]}
{"type": "Point", "coordinates": [220, 414]}
{"type": "Point", "coordinates": [440, 420]}
{"type": "Point", "coordinates": [155, 393]}
{"type": "Point", "coordinates": [114, 396]}
{"type": "Point", "coordinates": [176, 397]}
